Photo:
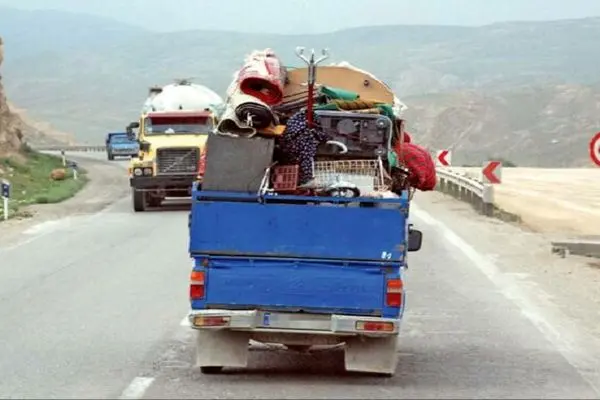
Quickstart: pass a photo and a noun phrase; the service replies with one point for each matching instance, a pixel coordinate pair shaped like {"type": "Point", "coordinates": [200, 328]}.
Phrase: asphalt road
{"type": "Point", "coordinates": [92, 307]}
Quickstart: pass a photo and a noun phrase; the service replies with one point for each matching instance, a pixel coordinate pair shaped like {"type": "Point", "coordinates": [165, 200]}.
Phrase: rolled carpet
{"type": "Point", "coordinates": [263, 77]}
{"type": "Point", "coordinates": [231, 124]}
{"type": "Point", "coordinates": [260, 115]}
{"type": "Point", "coordinates": [239, 108]}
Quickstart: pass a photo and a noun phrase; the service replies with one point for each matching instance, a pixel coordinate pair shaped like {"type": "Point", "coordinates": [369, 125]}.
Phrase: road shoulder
{"type": "Point", "coordinates": [570, 284]}
{"type": "Point", "coordinates": [107, 184]}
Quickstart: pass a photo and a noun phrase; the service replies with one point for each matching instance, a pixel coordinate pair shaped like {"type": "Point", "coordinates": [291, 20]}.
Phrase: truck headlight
{"type": "Point", "coordinates": [137, 171]}
{"type": "Point", "coordinates": [147, 171]}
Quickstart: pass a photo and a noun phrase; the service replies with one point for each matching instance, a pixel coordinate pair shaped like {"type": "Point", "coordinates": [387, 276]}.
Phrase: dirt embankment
{"type": "Point", "coordinates": [11, 134]}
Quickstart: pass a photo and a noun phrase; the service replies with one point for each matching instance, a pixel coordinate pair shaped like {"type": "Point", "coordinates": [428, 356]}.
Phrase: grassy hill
{"type": "Point", "coordinates": [87, 75]}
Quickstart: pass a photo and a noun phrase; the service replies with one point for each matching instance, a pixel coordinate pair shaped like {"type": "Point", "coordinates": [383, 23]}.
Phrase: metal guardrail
{"type": "Point", "coordinates": [457, 184]}
{"type": "Point", "coordinates": [84, 148]}
{"type": "Point", "coordinates": [468, 189]}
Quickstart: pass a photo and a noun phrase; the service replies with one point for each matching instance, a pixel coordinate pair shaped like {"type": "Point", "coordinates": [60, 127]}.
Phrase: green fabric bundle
{"type": "Point", "coordinates": [338, 94]}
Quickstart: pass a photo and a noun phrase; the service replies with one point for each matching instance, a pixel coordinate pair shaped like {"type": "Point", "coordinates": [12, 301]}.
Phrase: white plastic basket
{"type": "Point", "coordinates": [367, 175]}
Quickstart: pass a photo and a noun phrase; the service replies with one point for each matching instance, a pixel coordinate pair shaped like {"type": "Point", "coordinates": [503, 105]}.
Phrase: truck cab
{"type": "Point", "coordinates": [172, 133]}
{"type": "Point", "coordinates": [119, 144]}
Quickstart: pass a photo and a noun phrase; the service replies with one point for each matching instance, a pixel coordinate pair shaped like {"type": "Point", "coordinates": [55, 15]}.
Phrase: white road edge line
{"type": "Point", "coordinates": [137, 388]}
{"type": "Point", "coordinates": [569, 342]}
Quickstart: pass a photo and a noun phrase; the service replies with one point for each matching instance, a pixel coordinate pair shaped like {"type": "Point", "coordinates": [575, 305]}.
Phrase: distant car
{"type": "Point", "coordinates": [118, 144]}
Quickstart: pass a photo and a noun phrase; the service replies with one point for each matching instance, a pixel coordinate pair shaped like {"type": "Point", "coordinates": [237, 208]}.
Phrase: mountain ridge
{"type": "Point", "coordinates": [98, 81]}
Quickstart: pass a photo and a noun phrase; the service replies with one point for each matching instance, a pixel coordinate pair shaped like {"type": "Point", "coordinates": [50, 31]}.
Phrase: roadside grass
{"type": "Point", "coordinates": [29, 175]}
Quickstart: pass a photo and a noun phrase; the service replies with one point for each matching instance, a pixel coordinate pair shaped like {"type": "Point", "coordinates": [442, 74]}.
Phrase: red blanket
{"type": "Point", "coordinates": [420, 165]}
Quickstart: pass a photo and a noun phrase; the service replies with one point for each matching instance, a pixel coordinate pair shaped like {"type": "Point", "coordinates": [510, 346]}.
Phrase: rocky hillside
{"type": "Point", "coordinates": [11, 135]}
{"type": "Point", "coordinates": [16, 128]}
{"type": "Point", "coordinates": [38, 133]}
{"type": "Point", "coordinates": [547, 126]}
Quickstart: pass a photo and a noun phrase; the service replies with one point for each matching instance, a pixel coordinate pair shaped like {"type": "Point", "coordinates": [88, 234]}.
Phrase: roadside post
{"type": "Point", "coordinates": [5, 192]}
{"type": "Point", "coordinates": [74, 167]}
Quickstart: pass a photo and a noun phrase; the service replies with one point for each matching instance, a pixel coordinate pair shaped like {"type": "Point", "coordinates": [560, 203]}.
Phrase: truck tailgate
{"type": "Point", "coordinates": [268, 229]}
{"type": "Point", "coordinates": [294, 285]}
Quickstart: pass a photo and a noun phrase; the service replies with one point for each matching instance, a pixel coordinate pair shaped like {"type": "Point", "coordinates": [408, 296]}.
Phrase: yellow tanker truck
{"type": "Point", "coordinates": [172, 130]}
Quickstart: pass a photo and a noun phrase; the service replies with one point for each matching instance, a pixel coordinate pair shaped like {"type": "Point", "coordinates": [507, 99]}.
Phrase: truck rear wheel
{"type": "Point", "coordinates": [211, 370]}
{"type": "Point", "coordinates": [138, 198]}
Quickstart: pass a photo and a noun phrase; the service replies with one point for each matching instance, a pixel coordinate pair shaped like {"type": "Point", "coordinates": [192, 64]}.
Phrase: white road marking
{"type": "Point", "coordinates": [575, 346]}
{"type": "Point", "coordinates": [422, 215]}
{"type": "Point", "coordinates": [137, 388]}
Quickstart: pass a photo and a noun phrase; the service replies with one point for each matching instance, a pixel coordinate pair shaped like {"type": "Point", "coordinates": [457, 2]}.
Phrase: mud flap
{"type": "Point", "coordinates": [221, 348]}
{"type": "Point", "coordinates": [369, 354]}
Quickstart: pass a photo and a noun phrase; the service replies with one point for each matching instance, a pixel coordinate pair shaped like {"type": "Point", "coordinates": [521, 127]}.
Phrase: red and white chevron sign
{"type": "Point", "coordinates": [492, 172]}
{"type": "Point", "coordinates": [444, 158]}
{"type": "Point", "coordinates": [595, 149]}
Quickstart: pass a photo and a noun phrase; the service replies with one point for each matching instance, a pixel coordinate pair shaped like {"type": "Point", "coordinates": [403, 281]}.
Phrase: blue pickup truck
{"type": "Point", "coordinates": [119, 144]}
{"type": "Point", "coordinates": [300, 272]}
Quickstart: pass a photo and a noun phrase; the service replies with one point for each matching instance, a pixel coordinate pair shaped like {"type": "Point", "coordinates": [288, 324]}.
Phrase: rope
{"type": "Point", "coordinates": [355, 104]}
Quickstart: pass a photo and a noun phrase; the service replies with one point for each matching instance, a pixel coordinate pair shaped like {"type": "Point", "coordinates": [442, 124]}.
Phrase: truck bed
{"type": "Point", "coordinates": [244, 225]}
{"type": "Point", "coordinates": [273, 254]}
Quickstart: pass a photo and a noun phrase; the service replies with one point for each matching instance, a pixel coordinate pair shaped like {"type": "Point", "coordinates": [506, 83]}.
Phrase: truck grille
{"type": "Point", "coordinates": [180, 161]}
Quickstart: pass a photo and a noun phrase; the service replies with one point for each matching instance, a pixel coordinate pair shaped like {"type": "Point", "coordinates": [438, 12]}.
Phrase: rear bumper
{"type": "Point", "coordinates": [122, 152]}
{"type": "Point", "coordinates": [163, 182]}
{"type": "Point", "coordinates": [279, 322]}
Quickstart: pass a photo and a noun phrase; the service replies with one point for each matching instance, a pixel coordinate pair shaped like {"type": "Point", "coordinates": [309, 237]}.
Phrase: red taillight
{"type": "Point", "coordinates": [196, 292]}
{"type": "Point", "coordinates": [374, 326]}
{"type": "Point", "coordinates": [210, 321]}
{"type": "Point", "coordinates": [393, 295]}
{"type": "Point", "coordinates": [197, 285]}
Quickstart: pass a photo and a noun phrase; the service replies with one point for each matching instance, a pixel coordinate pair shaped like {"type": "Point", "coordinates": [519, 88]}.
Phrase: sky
{"type": "Point", "coordinates": [314, 16]}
